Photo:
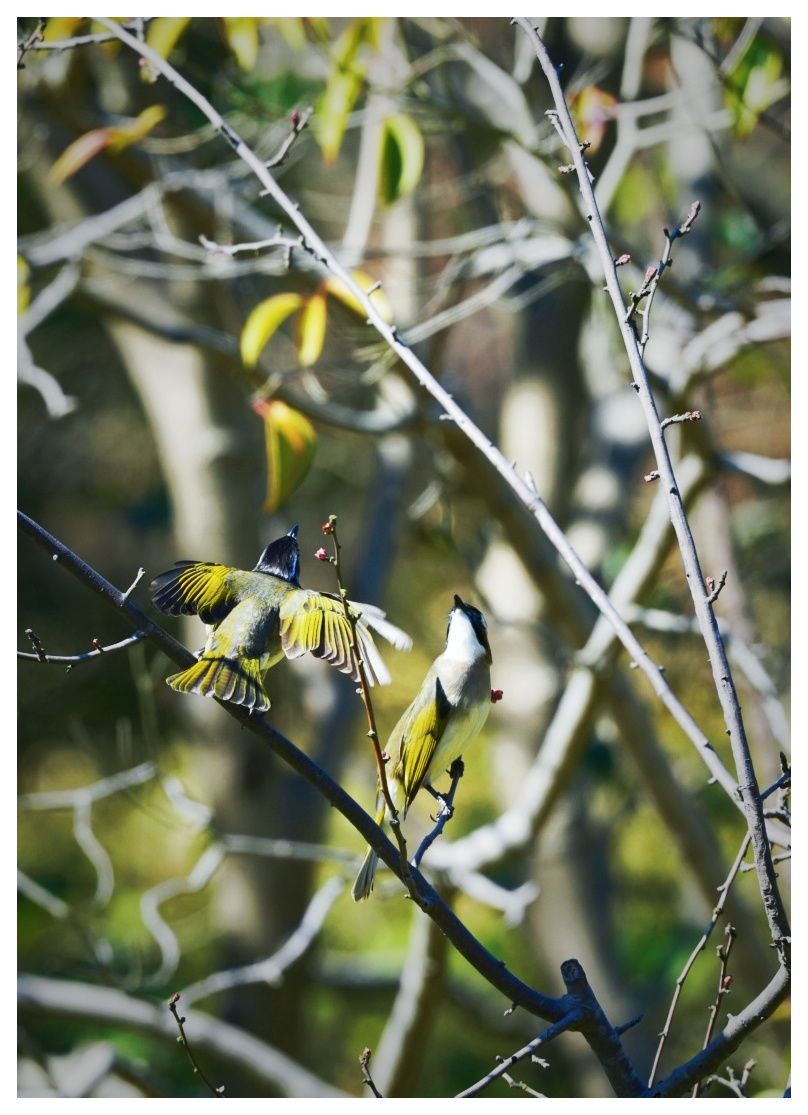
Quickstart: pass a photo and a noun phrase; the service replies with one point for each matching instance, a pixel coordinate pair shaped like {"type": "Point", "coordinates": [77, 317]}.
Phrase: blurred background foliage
{"type": "Point", "coordinates": [144, 438]}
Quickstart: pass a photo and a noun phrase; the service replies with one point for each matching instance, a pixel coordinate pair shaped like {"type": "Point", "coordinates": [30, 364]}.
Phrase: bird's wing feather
{"type": "Point", "coordinates": [315, 623]}
{"type": "Point", "coordinates": [377, 619]}
{"type": "Point", "coordinates": [196, 588]}
{"type": "Point", "coordinates": [417, 736]}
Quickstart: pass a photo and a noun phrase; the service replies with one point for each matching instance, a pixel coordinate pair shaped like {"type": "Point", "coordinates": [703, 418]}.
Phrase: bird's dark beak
{"type": "Point", "coordinates": [293, 531]}
{"type": "Point", "coordinates": [458, 603]}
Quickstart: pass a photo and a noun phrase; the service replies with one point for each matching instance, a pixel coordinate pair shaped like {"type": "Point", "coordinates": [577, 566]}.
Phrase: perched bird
{"type": "Point", "coordinates": [256, 617]}
{"type": "Point", "coordinates": [448, 712]}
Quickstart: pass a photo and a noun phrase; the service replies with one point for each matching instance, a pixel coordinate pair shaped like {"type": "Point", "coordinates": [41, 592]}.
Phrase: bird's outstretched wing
{"type": "Point", "coordinates": [196, 588]}
{"type": "Point", "coordinates": [416, 736]}
{"type": "Point", "coordinates": [315, 623]}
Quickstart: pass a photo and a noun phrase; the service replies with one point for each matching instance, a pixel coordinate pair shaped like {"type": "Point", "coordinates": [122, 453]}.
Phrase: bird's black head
{"type": "Point", "coordinates": [477, 621]}
{"type": "Point", "coordinates": [281, 558]}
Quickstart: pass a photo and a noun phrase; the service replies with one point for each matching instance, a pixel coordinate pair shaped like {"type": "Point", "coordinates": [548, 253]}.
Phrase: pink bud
{"type": "Point", "coordinates": [321, 554]}
{"type": "Point", "coordinates": [496, 695]}
{"type": "Point", "coordinates": [622, 260]}
{"type": "Point", "coordinates": [295, 118]}
{"type": "Point", "coordinates": [650, 273]}
{"type": "Point", "coordinates": [327, 528]}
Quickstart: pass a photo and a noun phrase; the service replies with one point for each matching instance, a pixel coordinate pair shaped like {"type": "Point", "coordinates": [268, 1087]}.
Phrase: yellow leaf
{"type": "Point", "coordinates": [124, 135]}
{"type": "Point", "coordinates": [291, 441]}
{"type": "Point", "coordinates": [338, 289]}
{"type": "Point", "coordinates": [162, 33]}
{"type": "Point", "coordinates": [80, 151]}
{"type": "Point", "coordinates": [311, 329]}
{"type": "Point", "coordinates": [265, 320]}
{"type": "Point", "coordinates": [241, 33]}
{"type": "Point", "coordinates": [401, 158]}
{"type": "Point", "coordinates": [23, 289]}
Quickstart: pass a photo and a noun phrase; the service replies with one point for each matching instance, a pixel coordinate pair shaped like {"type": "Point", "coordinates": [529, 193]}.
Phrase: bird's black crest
{"type": "Point", "coordinates": [281, 558]}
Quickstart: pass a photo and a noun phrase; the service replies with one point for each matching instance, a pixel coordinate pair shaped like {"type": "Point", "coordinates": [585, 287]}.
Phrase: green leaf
{"type": "Point", "coordinates": [401, 158]}
{"type": "Point", "coordinates": [264, 321]}
{"type": "Point", "coordinates": [291, 442]}
{"type": "Point", "coordinates": [311, 329]}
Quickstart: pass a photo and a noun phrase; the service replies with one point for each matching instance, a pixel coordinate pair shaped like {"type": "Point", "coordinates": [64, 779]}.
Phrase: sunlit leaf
{"type": "Point", "coordinates": [162, 33]}
{"type": "Point", "coordinates": [401, 158]}
{"type": "Point", "coordinates": [125, 135]}
{"type": "Point", "coordinates": [23, 289]}
{"type": "Point", "coordinates": [264, 321]}
{"type": "Point", "coordinates": [291, 441]}
{"type": "Point", "coordinates": [337, 288]}
{"type": "Point", "coordinates": [114, 138]}
{"type": "Point", "coordinates": [311, 329]}
{"type": "Point", "coordinates": [241, 34]}
{"type": "Point", "coordinates": [79, 153]}
{"type": "Point", "coordinates": [344, 85]}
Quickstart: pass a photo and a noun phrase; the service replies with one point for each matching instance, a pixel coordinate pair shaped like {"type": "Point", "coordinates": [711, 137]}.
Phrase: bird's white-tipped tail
{"type": "Point", "coordinates": [364, 880]}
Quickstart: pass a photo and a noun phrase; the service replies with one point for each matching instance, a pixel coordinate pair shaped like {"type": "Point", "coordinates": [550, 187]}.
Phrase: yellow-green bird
{"type": "Point", "coordinates": [256, 617]}
{"type": "Point", "coordinates": [450, 709]}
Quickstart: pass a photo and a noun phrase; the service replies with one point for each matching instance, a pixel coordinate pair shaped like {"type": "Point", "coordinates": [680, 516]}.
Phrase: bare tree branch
{"type": "Point", "coordinates": [722, 674]}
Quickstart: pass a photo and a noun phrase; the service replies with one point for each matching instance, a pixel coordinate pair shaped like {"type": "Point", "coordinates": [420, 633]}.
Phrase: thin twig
{"type": "Point", "coordinates": [364, 1061]}
{"type": "Point", "coordinates": [445, 813]}
{"type": "Point", "coordinates": [87, 40]}
{"type": "Point", "coordinates": [715, 588]}
{"type": "Point", "coordinates": [299, 122]}
{"type": "Point", "coordinates": [330, 528]}
{"type": "Point", "coordinates": [723, 892]}
{"type": "Point", "coordinates": [31, 42]}
{"type": "Point", "coordinates": [724, 985]}
{"type": "Point", "coordinates": [183, 1040]}
{"type": "Point", "coordinates": [76, 659]}
{"type": "Point", "coordinates": [506, 1063]}
{"type": "Point", "coordinates": [279, 241]}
